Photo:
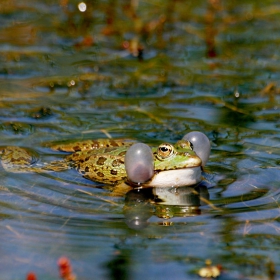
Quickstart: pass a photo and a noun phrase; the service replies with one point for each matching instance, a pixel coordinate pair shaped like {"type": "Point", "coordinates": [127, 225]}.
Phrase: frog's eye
{"type": "Point", "coordinates": [186, 144]}
{"type": "Point", "coordinates": [165, 151]}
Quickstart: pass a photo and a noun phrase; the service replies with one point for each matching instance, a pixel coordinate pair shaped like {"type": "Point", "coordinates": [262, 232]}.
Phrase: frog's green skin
{"type": "Point", "coordinates": [103, 160]}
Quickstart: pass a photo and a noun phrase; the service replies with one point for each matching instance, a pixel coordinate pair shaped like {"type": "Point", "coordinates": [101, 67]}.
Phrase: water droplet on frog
{"type": "Point", "coordinates": [139, 163]}
{"type": "Point", "coordinates": [201, 144]}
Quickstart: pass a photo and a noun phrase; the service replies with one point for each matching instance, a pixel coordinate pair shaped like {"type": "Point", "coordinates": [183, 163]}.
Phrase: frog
{"type": "Point", "coordinates": [103, 161]}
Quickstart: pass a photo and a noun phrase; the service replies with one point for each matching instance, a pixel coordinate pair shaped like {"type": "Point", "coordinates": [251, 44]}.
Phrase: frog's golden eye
{"type": "Point", "coordinates": [186, 144]}
{"type": "Point", "coordinates": [164, 151]}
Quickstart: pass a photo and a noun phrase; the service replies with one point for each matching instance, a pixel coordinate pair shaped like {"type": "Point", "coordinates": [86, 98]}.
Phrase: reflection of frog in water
{"type": "Point", "coordinates": [141, 204]}
{"type": "Point", "coordinates": [103, 161]}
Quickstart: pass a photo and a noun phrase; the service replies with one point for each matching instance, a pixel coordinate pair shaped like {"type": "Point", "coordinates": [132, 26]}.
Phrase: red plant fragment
{"type": "Point", "coordinates": [65, 269]}
{"type": "Point", "coordinates": [31, 276]}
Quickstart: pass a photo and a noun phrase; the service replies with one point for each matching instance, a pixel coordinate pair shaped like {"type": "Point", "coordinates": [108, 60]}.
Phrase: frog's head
{"type": "Point", "coordinates": [165, 166]}
{"type": "Point", "coordinates": [175, 165]}
{"type": "Point", "coordinates": [173, 157]}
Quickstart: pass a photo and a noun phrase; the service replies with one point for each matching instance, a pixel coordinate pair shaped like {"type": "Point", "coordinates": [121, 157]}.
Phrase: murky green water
{"type": "Point", "coordinates": [152, 71]}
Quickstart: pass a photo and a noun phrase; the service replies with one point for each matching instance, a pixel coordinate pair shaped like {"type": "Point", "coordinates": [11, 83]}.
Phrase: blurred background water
{"type": "Point", "coordinates": [151, 71]}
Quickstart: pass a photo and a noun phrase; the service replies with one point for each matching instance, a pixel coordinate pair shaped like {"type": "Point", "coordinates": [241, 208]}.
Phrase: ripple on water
{"type": "Point", "coordinates": [43, 202]}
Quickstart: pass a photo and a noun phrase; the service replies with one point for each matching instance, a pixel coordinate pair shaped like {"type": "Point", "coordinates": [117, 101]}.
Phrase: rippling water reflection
{"type": "Point", "coordinates": [151, 72]}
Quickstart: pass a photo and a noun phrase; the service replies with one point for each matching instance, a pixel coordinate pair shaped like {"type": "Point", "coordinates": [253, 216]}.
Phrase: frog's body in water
{"type": "Point", "coordinates": [103, 161]}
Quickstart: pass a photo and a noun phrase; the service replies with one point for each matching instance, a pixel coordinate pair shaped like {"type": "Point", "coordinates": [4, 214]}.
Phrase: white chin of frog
{"type": "Point", "coordinates": [176, 178]}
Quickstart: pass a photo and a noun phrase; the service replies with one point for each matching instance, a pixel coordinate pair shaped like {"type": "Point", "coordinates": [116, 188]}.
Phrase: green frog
{"type": "Point", "coordinates": [103, 161]}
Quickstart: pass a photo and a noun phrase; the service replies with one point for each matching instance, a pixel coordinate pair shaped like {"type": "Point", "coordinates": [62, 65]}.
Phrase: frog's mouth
{"type": "Point", "coordinates": [175, 178]}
